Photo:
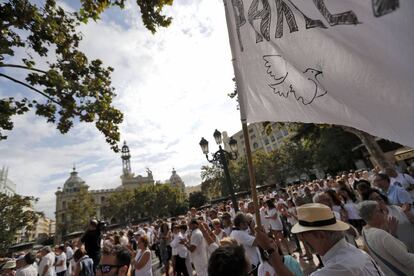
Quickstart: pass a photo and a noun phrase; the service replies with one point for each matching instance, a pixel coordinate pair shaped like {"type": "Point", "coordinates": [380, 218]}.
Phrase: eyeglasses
{"type": "Point", "coordinates": [105, 268]}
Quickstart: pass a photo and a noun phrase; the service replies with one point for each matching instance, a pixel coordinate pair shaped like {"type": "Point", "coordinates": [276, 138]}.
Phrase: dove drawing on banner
{"type": "Point", "coordinates": [278, 72]}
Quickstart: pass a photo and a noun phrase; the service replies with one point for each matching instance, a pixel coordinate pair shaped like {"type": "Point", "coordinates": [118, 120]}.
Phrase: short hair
{"type": "Point", "coordinates": [194, 221]}
{"type": "Point", "coordinates": [239, 219]}
{"type": "Point", "coordinates": [368, 194]}
{"type": "Point", "coordinates": [366, 209]}
{"type": "Point", "coordinates": [226, 215]}
{"type": "Point", "coordinates": [316, 198]}
{"type": "Point", "coordinates": [30, 257]}
{"type": "Point", "coordinates": [123, 257]}
{"type": "Point", "coordinates": [383, 176]}
{"type": "Point", "coordinates": [228, 241]}
{"type": "Point", "coordinates": [362, 183]}
{"type": "Point", "coordinates": [48, 249]}
{"type": "Point", "coordinates": [183, 227]}
{"type": "Point", "coordinates": [215, 221]}
{"type": "Point", "coordinates": [228, 260]}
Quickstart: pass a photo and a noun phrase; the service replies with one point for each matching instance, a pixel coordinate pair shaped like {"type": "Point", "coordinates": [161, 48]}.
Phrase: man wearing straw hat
{"type": "Point", "coordinates": [318, 228]}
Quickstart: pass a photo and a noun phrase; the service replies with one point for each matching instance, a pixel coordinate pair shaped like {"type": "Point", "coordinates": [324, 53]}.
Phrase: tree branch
{"type": "Point", "coordinates": [31, 87]}
{"type": "Point", "coordinates": [22, 67]}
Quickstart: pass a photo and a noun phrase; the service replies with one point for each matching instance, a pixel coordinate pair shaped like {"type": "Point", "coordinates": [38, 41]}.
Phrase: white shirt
{"type": "Point", "coordinates": [178, 248]}
{"type": "Point", "coordinates": [263, 219]}
{"type": "Point", "coordinates": [292, 220]}
{"type": "Point", "coordinates": [146, 270]}
{"type": "Point", "coordinates": [390, 249]}
{"type": "Point", "coordinates": [199, 255]}
{"type": "Point", "coordinates": [227, 230]}
{"type": "Point", "coordinates": [62, 267]}
{"type": "Point", "coordinates": [69, 252]}
{"type": "Point", "coordinates": [123, 241]}
{"type": "Point", "coordinates": [352, 210]}
{"type": "Point", "coordinates": [28, 270]}
{"type": "Point", "coordinates": [404, 180]}
{"type": "Point", "coordinates": [48, 259]}
{"type": "Point", "coordinates": [275, 223]}
{"type": "Point", "coordinates": [265, 267]}
{"type": "Point", "coordinates": [405, 229]}
{"type": "Point", "coordinates": [344, 259]}
{"type": "Point", "coordinates": [243, 238]}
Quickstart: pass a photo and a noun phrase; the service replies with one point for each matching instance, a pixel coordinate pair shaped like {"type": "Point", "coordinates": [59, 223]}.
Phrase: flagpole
{"type": "Point", "coordinates": [240, 87]}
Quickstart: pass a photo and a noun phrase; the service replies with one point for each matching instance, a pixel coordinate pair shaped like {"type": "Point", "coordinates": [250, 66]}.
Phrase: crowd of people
{"type": "Point", "coordinates": [357, 223]}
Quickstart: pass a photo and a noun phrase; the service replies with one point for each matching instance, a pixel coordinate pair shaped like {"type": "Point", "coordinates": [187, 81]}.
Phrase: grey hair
{"type": "Point", "coordinates": [333, 236]}
{"type": "Point", "coordinates": [336, 236]}
{"type": "Point", "coordinates": [47, 249]}
{"type": "Point", "coordinates": [366, 209]}
{"type": "Point", "coordinates": [317, 196]}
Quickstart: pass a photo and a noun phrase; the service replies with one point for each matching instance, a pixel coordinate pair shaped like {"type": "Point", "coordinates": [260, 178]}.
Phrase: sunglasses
{"type": "Point", "coordinates": [105, 268]}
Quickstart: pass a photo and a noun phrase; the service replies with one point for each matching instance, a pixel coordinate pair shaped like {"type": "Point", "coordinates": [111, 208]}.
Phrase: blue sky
{"type": "Point", "coordinates": [171, 86]}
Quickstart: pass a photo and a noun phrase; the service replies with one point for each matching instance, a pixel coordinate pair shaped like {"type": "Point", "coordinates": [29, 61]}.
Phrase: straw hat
{"type": "Point", "coordinates": [315, 216]}
{"type": "Point", "coordinates": [9, 265]}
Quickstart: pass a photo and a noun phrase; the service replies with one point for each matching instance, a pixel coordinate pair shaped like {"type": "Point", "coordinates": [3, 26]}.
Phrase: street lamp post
{"type": "Point", "coordinates": [221, 158]}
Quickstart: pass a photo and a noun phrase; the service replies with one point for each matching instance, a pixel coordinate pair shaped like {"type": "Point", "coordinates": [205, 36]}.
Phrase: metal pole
{"type": "Point", "coordinates": [223, 161]}
{"type": "Point", "coordinates": [252, 175]}
{"type": "Point", "coordinates": [240, 93]}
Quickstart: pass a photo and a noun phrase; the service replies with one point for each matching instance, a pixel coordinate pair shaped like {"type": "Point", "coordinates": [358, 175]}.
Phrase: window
{"type": "Point", "coordinates": [63, 204]}
{"type": "Point", "coordinates": [272, 138]}
{"type": "Point", "coordinates": [266, 141]}
{"type": "Point", "coordinates": [241, 136]}
{"type": "Point", "coordinates": [251, 130]}
{"type": "Point", "coordinates": [252, 136]}
{"type": "Point", "coordinates": [102, 199]}
{"type": "Point", "coordinates": [63, 217]}
{"type": "Point", "coordinates": [255, 145]}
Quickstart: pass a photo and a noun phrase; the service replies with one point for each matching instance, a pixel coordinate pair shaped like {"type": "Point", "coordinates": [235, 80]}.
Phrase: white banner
{"type": "Point", "coordinates": [345, 62]}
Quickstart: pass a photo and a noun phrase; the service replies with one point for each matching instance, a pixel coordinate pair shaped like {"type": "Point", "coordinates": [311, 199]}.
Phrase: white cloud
{"type": "Point", "coordinates": [172, 88]}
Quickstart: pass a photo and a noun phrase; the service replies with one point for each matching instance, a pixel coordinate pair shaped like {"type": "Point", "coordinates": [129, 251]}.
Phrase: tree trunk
{"type": "Point", "coordinates": [377, 155]}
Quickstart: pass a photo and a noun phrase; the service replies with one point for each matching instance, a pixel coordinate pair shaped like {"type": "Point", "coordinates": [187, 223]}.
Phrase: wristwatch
{"type": "Point", "coordinates": [268, 252]}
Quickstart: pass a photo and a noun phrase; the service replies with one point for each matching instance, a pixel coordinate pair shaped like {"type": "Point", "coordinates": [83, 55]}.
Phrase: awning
{"type": "Point", "coordinates": [404, 153]}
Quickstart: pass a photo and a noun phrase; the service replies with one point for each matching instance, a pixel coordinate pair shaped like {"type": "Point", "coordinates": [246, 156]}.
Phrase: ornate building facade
{"type": "Point", "coordinates": [176, 181]}
{"type": "Point", "coordinates": [7, 186]}
{"type": "Point", "coordinates": [74, 183]}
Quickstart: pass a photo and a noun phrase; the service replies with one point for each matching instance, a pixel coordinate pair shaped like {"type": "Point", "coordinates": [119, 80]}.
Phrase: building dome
{"type": "Point", "coordinates": [175, 178]}
{"type": "Point", "coordinates": [74, 180]}
{"type": "Point", "coordinates": [176, 181]}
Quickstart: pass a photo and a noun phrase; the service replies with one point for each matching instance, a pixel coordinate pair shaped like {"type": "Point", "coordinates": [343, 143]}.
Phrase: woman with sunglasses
{"type": "Point", "coordinates": [142, 262]}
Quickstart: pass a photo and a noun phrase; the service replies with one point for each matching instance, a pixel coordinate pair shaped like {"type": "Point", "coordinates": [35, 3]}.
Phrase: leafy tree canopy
{"type": "Point", "coordinates": [39, 50]}
{"type": "Point", "coordinates": [16, 214]}
{"type": "Point", "coordinates": [197, 199]}
{"type": "Point", "coordinates": [151, 201]}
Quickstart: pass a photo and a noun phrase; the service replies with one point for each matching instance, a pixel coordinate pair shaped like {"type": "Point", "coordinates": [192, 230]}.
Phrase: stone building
{"type": "Point", "coordinates": [73, 184]}
{"type": "Point", "coordinates": [259, 139]}
{"type": "Point", "coordinates": [7, 186]}
{"type": "Point", "coordinates": [176, 181]}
